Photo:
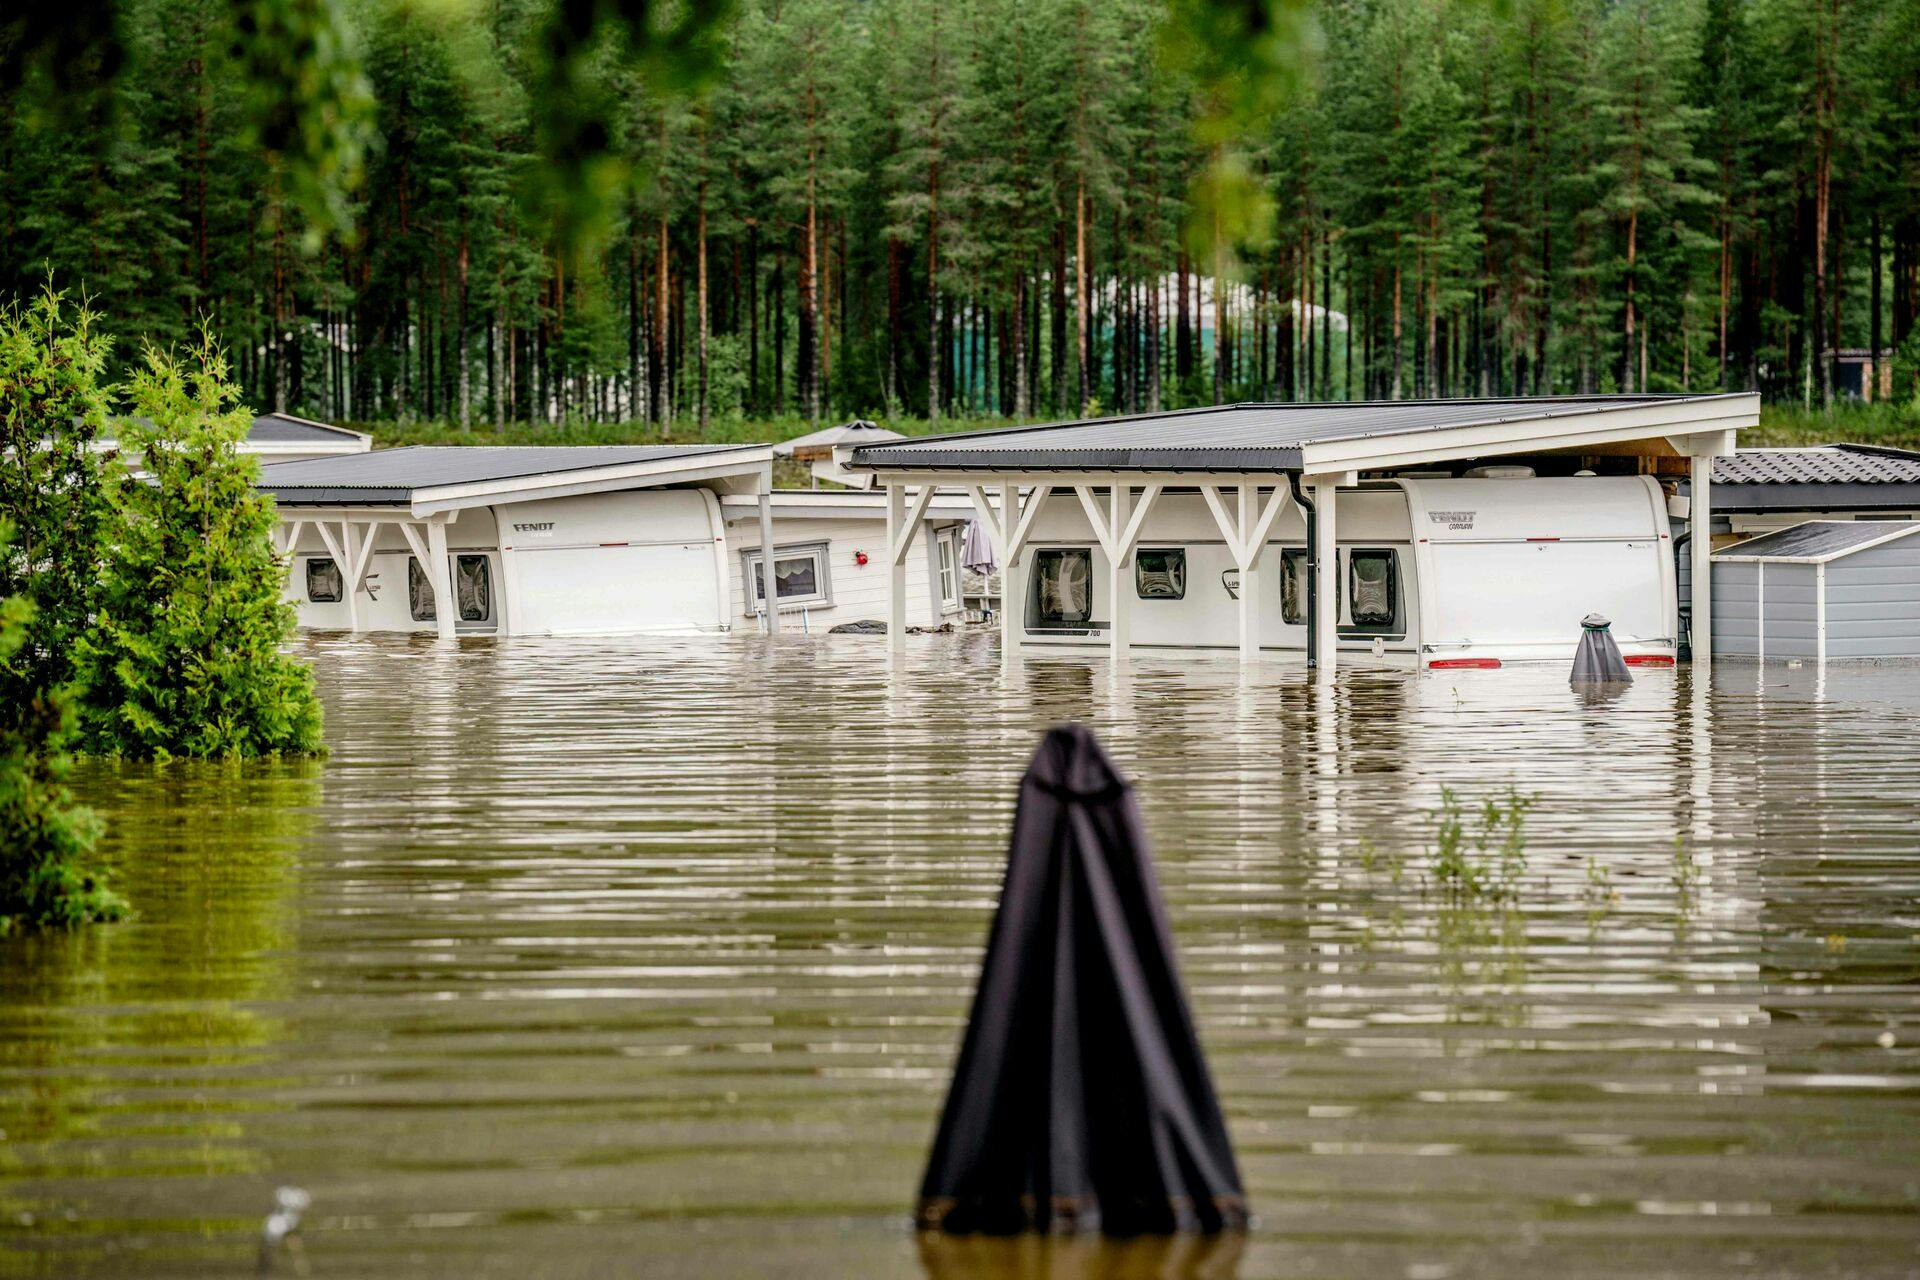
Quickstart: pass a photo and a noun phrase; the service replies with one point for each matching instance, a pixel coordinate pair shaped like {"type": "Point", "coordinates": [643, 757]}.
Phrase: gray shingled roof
{"type": "Point", "coordinates": [1817, 539]}
{"type": "Point", "coordinates": [281, 428]}
{"type": "Point", "coordinates": [1828, 464]}
{"type": "Point", "coordinates": [1223, 437]}
{"type": "Point", "coordinates": [393, 475]}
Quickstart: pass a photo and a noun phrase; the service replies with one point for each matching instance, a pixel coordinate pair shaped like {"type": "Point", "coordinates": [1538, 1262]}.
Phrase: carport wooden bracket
{"type": "Point", "coordinates": [350, 541]}
{"type": "Point", "coordinates": [1118, 504]}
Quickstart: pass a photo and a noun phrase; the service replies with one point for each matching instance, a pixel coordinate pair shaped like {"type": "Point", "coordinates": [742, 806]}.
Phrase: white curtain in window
{"type": "Point", "coordinates": [1064, 589]}
{"type": "Point", "coordinates": [796, 577]}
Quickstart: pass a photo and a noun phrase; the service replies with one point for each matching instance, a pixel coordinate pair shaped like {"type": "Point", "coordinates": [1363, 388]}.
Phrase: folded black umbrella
{"type": "Point", "coordinates": [1081, 1101]}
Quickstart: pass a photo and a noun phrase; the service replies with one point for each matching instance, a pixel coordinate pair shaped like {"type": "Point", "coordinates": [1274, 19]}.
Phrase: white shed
{"type": "Point", "coordinates": [830, 563]}
{"type": "Point", "coordinates": [1823, 589]}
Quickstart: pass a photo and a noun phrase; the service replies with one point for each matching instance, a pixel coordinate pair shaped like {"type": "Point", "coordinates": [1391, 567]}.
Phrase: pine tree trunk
{"type": "Point", "coordinates": [1182, 336]}
{"type": "Point", "coordinates": [1873, 303]}
{"type": "Point", "coordinates": [1057, 336]}
{"type": "Point", "coordinates": [1307, 351]}
{"type": "Point", "coordinates": [895, 322]}
{"type": "Point", "coordinates": [637, 399]}
{"type": "Point", "coordinates": [1018, 336]}
{"type": "Point", "coordinates": [1219, 315]}
{"type": "Point", "coordinates": [936, 351]}
{"type": "Point", "coordinates": [462, 375]}
{"type": "Point", "coordinates": [657, 355]}
{"type": "Point", "coordinates": [753, 317]}
{"type": "Point", "coordinates": [1633, 244]}
{"type": "Point", "coordinates": [1153, 343]}
{"type": "Point", "coordinates": [701, 304]}
{"type": "Point", "coordinates": [1824, 352]}
{"type": "Point", "coordinates": [1326, 315]}
{"type": "Point", "coordinates": [809, 372]}
{"type": "Point", "coordinates": [1397, 324]}
{"type": "Point", "coordinates": [1080, 300]}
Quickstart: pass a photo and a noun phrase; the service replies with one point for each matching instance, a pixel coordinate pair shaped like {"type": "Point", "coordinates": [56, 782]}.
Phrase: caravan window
{"type": "Point", "coordinates": [1293, 588]}
{"type": "Point", "coordinates": [1062, 594]}
{"type": "Point", "coordinates": [419, 592]}
{"type": "Point", "coordinates": [1160, 573]}
{"type": "Point", "coordinates": [324, 583]}
{"type": "Point", "coordinates": [473, 588]}
{"type": "Point", "coordinates": [799, 576]}
{"type": "Point", "coordinates": [1372, 587]}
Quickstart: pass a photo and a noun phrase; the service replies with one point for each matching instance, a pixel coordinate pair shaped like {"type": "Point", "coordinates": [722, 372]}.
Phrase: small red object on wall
{"type": "Point", "coordinates": [860, 557]}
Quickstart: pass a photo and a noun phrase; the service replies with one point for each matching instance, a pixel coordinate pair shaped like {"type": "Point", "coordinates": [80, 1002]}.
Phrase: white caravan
{"type": "Point", "coordinates": [641, 540]}
{"type": "Point", "coordinates": [1461, 572]}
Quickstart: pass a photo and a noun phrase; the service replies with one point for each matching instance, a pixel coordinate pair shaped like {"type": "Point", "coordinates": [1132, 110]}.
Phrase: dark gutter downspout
{"type": "Point", "coordinates": [1313, 569]}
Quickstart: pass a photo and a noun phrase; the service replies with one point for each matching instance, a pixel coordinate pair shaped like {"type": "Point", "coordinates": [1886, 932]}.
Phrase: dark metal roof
{"type": "Point", "coordinates": [1249, 437]}
{"type": "Point", "coordinates": [393, 475]}
{"type": "Point", "coordinates": [1823, 539]}
{"type": "Point", "coordinates": [1827, 464]}
{"type": "Point", "coordinates": [284, 428]}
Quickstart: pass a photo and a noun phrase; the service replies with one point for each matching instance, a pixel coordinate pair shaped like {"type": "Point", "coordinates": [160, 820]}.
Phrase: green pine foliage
{"type": "Point", "coordinates": [710, 212]}
{"type": "Point", "coordinates": [53, 487]}
{"type": "Point", "coordinates": [184, 656]}
{"type": "Point", "coordinates": [45, 838]}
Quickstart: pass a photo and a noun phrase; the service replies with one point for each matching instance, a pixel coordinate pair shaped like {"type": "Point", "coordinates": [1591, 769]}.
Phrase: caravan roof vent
{"type": "Point", "coordinates": [1500, 473]}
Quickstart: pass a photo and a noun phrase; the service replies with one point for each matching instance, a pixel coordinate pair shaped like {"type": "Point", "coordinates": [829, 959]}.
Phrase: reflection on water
{"type": "Point", "coordinates": [1055, 1258]}
{"type": "Point", "coordinates": [609, 958]}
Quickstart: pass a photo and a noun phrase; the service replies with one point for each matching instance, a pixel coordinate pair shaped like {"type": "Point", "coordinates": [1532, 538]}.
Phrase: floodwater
{"type": "Point", "coordinates": [650, 958]}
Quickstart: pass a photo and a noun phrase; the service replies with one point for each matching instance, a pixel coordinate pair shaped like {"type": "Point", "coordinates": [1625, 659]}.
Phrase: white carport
{"type": "Point", "coordinates": [420, 491]}
{"type": "Point", "coordinates": [1250, 460]}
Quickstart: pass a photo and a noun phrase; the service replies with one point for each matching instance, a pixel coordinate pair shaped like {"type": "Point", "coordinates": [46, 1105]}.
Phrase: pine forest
{"type": "Point", "coordinates": [1020, 209]}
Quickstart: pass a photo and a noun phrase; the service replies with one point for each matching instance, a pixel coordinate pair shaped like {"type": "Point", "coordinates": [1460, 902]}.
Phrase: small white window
{"type": "Point", "coordinates": [799, 576]}
{"type": "Point", "coordinates": [949, 548]}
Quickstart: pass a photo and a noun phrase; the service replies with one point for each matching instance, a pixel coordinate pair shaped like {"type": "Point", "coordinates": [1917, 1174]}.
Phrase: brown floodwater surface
{"type": "Point", "coordinates": [650, 958]}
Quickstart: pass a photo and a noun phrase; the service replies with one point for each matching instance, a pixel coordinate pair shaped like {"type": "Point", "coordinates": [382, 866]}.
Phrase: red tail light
{"type": "Point", "coordinates": [1649, 660]}
{"type": "Point", "coordinates": [1448, 664]}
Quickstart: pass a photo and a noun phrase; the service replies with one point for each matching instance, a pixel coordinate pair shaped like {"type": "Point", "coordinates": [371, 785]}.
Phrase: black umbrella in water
{"type": "Point", "coordinates": [1081, 1101]}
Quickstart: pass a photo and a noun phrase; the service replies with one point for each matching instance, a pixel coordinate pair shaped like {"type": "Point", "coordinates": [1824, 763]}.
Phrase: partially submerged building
{"type": "Point", "coordinates": [281, 437]}
{"type": "Point", "coordinates": [1821, 590]}
{"type": "Point", "coordinates": [539, 540]}
{"type": "Point", "coordinates": [1462, 532]}
{"type": "Point", "coordinates": [1760, 490]}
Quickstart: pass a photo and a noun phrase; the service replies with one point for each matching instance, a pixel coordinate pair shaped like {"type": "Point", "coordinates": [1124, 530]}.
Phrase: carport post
{"type": "Point", "coordinates": [1248, 512]}
{"type": "Point", "coordinates": [1120, 566]}
{"type": "Point", "coordinates": [1013, 595]}
{"type": "Point", "coordinates": [1700, 555]}
{"type": "Point", "coordinates": [770, 591]}
{"type": "Point", "coordinates": [440, 574]}
{"type": "Point", "coordinates": [896, 567]}
{"type": "Point", "coordinates": [1326, 575]}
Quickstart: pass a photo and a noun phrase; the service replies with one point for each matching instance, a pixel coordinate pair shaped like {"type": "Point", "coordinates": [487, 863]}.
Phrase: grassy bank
{"type": "Point", "coordinates": [1886, 424]}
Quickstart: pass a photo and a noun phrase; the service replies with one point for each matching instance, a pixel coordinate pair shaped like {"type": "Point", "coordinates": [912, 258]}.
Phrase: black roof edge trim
{"type": "Point", "coordinates": [1205, 459]}
{"type": "Point", "coordinates": [1888, 495]}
